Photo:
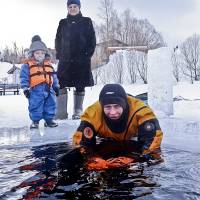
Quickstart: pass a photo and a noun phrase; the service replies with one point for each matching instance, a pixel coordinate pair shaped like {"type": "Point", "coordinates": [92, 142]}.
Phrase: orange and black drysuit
{"type": "Point", "coordinates": [41, 79]}
{"type": "Point", "coordinates": [141, 125]}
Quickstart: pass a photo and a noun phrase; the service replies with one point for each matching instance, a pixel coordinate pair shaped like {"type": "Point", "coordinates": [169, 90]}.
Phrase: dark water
{"type": "Point", "coordinates": [56, 171]}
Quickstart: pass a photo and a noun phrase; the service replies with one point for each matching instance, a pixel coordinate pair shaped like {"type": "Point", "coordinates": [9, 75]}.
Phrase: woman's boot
{"type": "Point", "coordinates": [78, 104]}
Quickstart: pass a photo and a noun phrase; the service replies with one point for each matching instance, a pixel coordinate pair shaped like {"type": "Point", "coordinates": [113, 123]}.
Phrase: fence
{"type": "Point", "coordinates": [9, 88]}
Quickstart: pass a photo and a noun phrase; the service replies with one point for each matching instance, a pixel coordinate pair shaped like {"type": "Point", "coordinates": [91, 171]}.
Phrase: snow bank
{"type": "Point", "coordinates": [160, 81]}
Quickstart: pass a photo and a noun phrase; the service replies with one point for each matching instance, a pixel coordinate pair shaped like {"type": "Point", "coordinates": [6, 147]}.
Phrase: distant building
{"type": "Point", "coordinates": [15, 73]}
{"type": "Point", "coordinates": [101, 54]}
{"type": "Point", "coordinates": [105, 49]}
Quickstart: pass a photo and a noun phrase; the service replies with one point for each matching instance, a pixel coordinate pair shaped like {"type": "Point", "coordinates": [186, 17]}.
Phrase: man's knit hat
{"type": "Point", "coordinates": [37, 44]}
{"type": "Point", "coordinates": [74, 2]}
{"type": "Point", "coordinates": [113, 94]}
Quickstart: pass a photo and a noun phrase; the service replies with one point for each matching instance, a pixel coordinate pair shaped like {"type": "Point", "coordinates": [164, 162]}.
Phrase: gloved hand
{"type": "Point", "coordinates": [27, 93]}
{"type": "Point", "coordinates": [146, 157]}
{"type": "Point", "coordinates": [57, 91]}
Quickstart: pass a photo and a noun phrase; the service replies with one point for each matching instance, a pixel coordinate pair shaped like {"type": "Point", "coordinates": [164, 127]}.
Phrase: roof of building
{"type": "Point", "coordinates": [112, 42]}
{"type": "Point", "coordinates": [11, 70]}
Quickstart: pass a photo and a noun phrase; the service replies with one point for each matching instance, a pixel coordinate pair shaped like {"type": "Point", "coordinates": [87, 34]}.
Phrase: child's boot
{"type": "Point", "coordinates": [34, 125]}
{"type": "Point", "coordinates": [50, 123]}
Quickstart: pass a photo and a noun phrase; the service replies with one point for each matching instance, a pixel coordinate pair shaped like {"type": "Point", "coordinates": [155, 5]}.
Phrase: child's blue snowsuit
{"type": "Point", "coordinates": [42, 100]}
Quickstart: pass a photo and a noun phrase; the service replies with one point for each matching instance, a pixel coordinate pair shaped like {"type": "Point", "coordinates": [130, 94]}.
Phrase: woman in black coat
{"type": "Point", "coordinates": [75, 44]}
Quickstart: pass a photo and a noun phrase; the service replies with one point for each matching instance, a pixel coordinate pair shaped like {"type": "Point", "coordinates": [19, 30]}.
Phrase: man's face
{"type": "Point", "coordinates": [113, 111]}
{"type": "Point", "coordinates": [73, 9]}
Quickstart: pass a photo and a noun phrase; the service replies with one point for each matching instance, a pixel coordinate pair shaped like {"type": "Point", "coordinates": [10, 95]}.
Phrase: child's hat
{"type": "Point", "coordinates": [37, 44]}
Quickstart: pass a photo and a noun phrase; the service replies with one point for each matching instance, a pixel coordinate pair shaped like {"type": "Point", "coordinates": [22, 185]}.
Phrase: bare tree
{"type": "Point", "coordinates": [12, 55]}
{"type": "Point", "coordinates": [96, 74]}
{"type": "Point", "coordinates": [6, 54]}
{"type": "Point", "coordinates": [138, 32]}
{"type": "Point", "coordinates": [131, 31]}
{"type": "Point", "coordinates": [131, 66]}
{"type": "Point", "coordinates": [146, 35]}
{"type": "Point", "coordinates": [114, 24]}
{"type": "Point", "coordinates": [1, 59]}
{"type": "Point", "coordinates": [190, 50]}
{"type": "Point", "coordinates": [106, 10]}
{"type": "Point", "coordinates": [117, 67]}
{"type": "Point", "coordinates": [127, 27]}
{"type": "Point", "coordinates": [176, 63]}
{"type": "Point", "coordinates": [104, 76]}
{"type": "Point", "coordinates": [141, 62]}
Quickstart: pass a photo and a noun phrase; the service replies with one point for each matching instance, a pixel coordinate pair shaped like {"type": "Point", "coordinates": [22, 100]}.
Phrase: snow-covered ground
{"type": "Point", "coordinates": [181, 129]}
{"type": "Point", "coordinates": [14, 108]}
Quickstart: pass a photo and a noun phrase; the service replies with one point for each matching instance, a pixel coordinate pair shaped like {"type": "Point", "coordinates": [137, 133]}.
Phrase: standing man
{"type": "Point", "coordinates": [120, 117]}
{"type": "Point", "coordinates": [75, 44]}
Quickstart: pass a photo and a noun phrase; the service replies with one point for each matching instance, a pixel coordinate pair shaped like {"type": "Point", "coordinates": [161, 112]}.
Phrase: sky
{"type": "Point", "coordinates": [176, 20]}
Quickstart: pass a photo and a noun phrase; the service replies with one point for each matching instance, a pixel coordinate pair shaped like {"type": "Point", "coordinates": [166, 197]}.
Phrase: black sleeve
{"type": "Point", "coordinates": [91, 39]}
{"type": "Point", "coordinates": [147, 132]}
{"type": "Point", "coordinates": [89, 133]}
{"type": "Point", "coordinates": [58, 40]}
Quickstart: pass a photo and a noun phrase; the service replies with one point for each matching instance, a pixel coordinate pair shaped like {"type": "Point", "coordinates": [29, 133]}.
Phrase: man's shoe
{"type": "Point", "coordinates": [51, 124]}
{"type": "Point", "coordinates": [75, 116]}
{"type": "Point", "coordinates": [34, 125]}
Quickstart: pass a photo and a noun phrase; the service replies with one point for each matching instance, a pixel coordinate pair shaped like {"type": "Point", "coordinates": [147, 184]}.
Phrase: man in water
{"type": "Point", "coordinates": [120, 117]}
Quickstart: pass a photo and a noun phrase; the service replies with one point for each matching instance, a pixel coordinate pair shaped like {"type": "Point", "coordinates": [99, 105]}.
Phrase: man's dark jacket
{"type": "Point", "coordinates": [75, 44]}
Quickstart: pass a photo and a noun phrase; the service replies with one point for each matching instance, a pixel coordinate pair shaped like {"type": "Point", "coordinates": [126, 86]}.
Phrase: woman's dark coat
{"type": "Point", "coordinates": [75, 44]}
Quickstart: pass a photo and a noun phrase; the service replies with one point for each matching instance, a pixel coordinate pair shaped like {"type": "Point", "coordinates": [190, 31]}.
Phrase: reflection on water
{"type": "Point", "coordinates": [57, 171]}
{"type": "Point", "coordinates": [180, 175]}
{"type": "Point", "coordinates": [24, 136]}
{"type": "Point", "coordinates": [10, 161]}
{"type": "Point", "coordinates": [10, 136]}
{"type": "Point", "coordinates": [181, 134]}
{"type": "Point", "coordinates": [122, 183]}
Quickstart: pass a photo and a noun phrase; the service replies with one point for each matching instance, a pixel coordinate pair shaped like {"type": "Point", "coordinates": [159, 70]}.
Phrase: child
{"type": "Point", "coordinates": [40, 84]}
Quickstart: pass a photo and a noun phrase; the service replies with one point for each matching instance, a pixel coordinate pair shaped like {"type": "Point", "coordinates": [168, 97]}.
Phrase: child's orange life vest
{"type": "Point", "coordinates": [40, 73]}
